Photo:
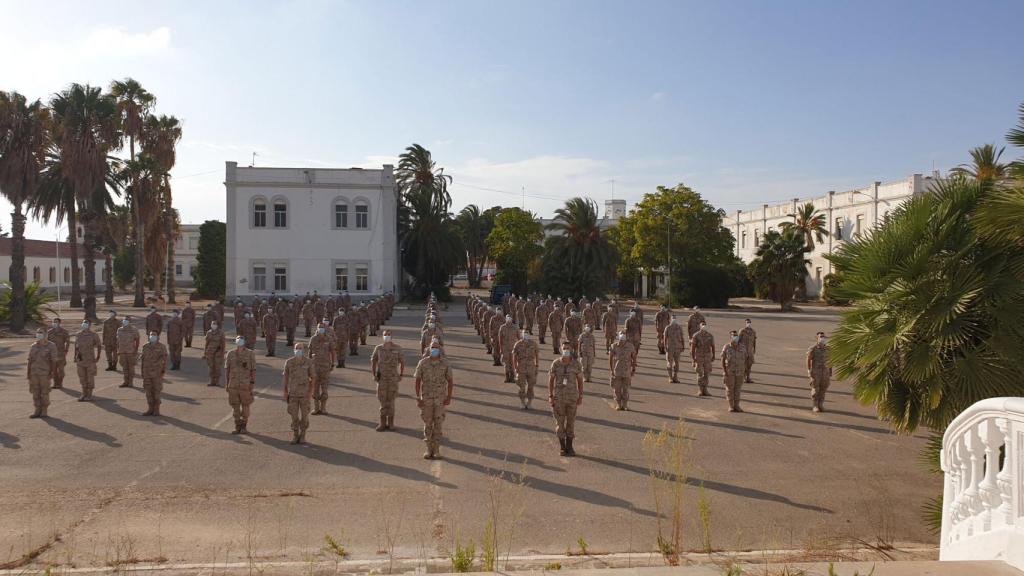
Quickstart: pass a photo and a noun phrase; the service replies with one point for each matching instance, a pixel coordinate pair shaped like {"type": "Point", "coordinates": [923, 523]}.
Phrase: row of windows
{"type": "Point", "coordinates": [178, 270]}
{"type": "Point", "coordinates": [353, 277]}
{"type": "Point", "coordinates": [837, 232]}
{"type": "Point", "coordinates": [37, 276]}
{"type": "Point", "coordinates": [279, 208]}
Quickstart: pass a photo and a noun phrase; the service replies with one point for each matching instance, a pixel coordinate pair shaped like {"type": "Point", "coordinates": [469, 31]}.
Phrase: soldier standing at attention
{"type": "Point", "coordinates": [556, 320]}
{"type": "Point", "coordinates": [749, 340]}
{"type": "Point", "coordinates": [622, 365]}
{"type": "Point", "coordinates": [241, 375]}
{"type": "Point", "coordinates": [42, 365]}
{"type": "Point", "coordinates": [307, 316]}
{"type": "Point", "coordinates": [819, 371]}
{"type": "Point", "coordinates": [434, 388]}
{"type": "Point", "coordinates": [529, 314]}
{"type": "Point", "coordinates": [127, 350]}
{"type": "Point", "coordinates": [340, 326]}
{"type": "Point", "coordinates": [387, 364]}
{"type": "Point", "coordinates": [175, 336]}
{"type": "Point", "coordinates": [734, 362]}
{"type": "Point", "coordinates": [586, 351]}
{"type": "Point", "coordinates": [589, 316]}
{"type": "Point", "coordinates": [572, 328]}
{"type": "Point", "coordinates": [110, 326]}
{"type": "Point", "coordinates": [154, 322]}
{"type": "Point", "coordinates": [298, 389]}
{"type": "Point", "coordinates": [321, 350]}
{"type": "Point", "coordinates": [675, 343]}
{"type": "Point", "coordinates": [247, 329]}
{"type": "Point", "coordinates": [87, 354]}
{"type": "Point", "coordinates": [508, 335]}
{"type": "Point", "coordinates": [213, 352]}
{"type": "Point", "coordinates": [661, 320]}
{"type": "Point", "coordinates": [62, 340]}
{"type": "Point", "coordinates": [633, 328]}
{"type": "Point", "coordinates": [270, 326]}
{"type": "Point", "coordinates": [693, 322]}
{"type": "Point", "coordinates": [188, 323]}
{"type": "Point", "coordinates": [525, 363]}
{"type": "Point", "coordinates": [609, 325]}
{"type": "Point", "coordinates": [541, 318]}
{"type": "Point", "coordinates": [353, 332]}
{"type": "Point", "coordinates": [565, 394]}
{"type": "Point", "coordinates": [154, 364]}
{"type": "Point", "coordinates": [209, 318]}
{"type": "Point", "coordinates": [494, 333]}
{"type": "Point", "coordinates": [291, 320]}
{"type": "Point", "coordinates": [702, 352]}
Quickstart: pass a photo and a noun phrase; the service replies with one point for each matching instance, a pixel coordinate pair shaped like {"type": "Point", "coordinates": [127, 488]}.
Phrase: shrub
{"type": "Point", "coordinates": [37, 301]}
{"type": "Point", "coordinates": [703, 285]}
{"type": "Point", "coordinates": [828, 290]}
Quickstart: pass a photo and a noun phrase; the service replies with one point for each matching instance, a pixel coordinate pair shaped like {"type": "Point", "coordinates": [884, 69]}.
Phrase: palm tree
{"type": "Point", "coordinates": [431, 246]}
{"type": "Point", "coordinates": [134, 104]}
{"type": "Point", "coordinates": [585, 256]}
{"type": "Point", "coordinates": [1016, 137]}
{"type": "Point", "coordinates": [24, 136]}
{"type": "Point", "coordinates": [985, 165]}
{"type": "Point", "coordinates": [114, 230]}
{"type": "Point", "coordinates": [160, 140]}
{"type": "Point", "coordinates": [808, 224]}
{"type": "Point", "coordinates": [474, 226]}
{"type": "Point", "coordinates": [86, 126]}
{"type": "Point", "coordinates": [780, 267]}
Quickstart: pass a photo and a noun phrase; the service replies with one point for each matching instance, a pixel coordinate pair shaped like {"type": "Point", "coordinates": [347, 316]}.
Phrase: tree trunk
{"type": "Point", "coordinates": [108, 279]}
{"type": "Point", "coordinates": [17, 270]}
{"type": "Point", "coordinates": [140, 261]}
{"type": "Point", "coordinates": [90, 269]}
{"type": "Point", "coordinates": [76, 275]}
{"type": "Point", "coordinates": [170, 262]}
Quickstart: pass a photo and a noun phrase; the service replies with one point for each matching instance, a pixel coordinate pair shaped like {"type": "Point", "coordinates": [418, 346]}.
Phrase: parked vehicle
{"type": "Point", "coordinates": [499, 292]}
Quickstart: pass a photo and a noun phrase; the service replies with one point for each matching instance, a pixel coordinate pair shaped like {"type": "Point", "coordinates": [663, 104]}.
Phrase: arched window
{"type": "Point", "coordinates": [259, 212]}
{"type": "Point", "coordinates": [341, 213]}
{"type": "Point", "coordinates": [362, 212]}
{"type": "Point", "coordinates": [53, 275]}
{"type": "Point", "coordinates": [280, 212]}
{"type": "Point", "coordinates": [67, 275]}
{"type": "Point", "coordinates": [35, 274]}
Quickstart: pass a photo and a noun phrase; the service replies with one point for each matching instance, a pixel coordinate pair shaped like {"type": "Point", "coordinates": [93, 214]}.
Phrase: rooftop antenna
{"type": "Point", "coordinates": [524, 198]}
{"type": "Point", "coordinates": [253, 163]}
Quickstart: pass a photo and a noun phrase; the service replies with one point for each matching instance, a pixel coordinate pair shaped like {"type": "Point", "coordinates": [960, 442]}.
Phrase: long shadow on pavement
{"type": "Point", "coordinates": [713, 424]}
{"type": "Point", "coordinates": [335, 457]}
{"type": "Point", "coordinates": [164, 419]}
{"type": "Point", "coordinates": [712, 485]}
{"type": "Point", "coordinates": [9, 441]}
{"type": "Point", "coordinates": [83, 433]}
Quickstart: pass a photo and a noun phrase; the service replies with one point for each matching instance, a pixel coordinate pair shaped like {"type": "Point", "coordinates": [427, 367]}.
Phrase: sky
{"type": "Point", "coordinates": [747, 102]}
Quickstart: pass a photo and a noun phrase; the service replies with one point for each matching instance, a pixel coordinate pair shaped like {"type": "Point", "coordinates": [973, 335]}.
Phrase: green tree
{"type": "Point", "coordinates": [474, 226]}
{"type": "Point", "coordinates": [211, 260]}
{"type": "Point", "coordinates": [124, 266]}
{"type": "Point", "coordinates": [780, 267]}
{"type": "Point", "coordinates": [432, 250]}
{"type": "Point", "coordinates": [514, 243]}
{"type": "Point", "coordinates": [160, 140]}
{"type": "Point", "coordinates": [579, 259]}
{"type": "Point", "coordinates": [85, 131]}
{"type": "Point", "coordinates": [133, 104]}
{"type": "Point", "coordinates": [808, 224]}
{"type": "Point", "coordinates": [24, 137]}
{"type": "Point", "coordinates": [985, 164]}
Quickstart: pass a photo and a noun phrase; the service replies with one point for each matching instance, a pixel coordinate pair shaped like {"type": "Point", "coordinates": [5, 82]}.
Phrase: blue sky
{"type": "Point", "coordinates": [747, 102]}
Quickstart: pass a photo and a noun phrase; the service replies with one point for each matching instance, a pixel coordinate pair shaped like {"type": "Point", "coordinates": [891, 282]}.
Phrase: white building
{"type": "Point", "coordinates": [296, 230]}
{"type": "Point", "coordinates": [849, 214]}
{"type": "Point", "coordinates": [186, 250]}
{"type": "Point", "coordinates": [48, 263]}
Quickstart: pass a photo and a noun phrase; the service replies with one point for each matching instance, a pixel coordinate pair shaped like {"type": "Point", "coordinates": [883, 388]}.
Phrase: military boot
{"type": "Point", "coordinates": [568, 447]}
{"type": "Point", "coordinates": [429, 454]}
{"type": "Point", "coordinates": [316, 407]}
{"type": "Point", "coordinates": [436, 451]}
{"type": "Point", "coordinates": [242, 429]}
{"type": "Point", "coordinates": [156, 409]}
{"type": "Point", "coordinates": [295, 436]}
{"type": "Point", "coordinates": [42, 412]}
{"type": "Point", "coordinates": [149, 411]}
{"type": "Point", "coordinates": [36, 413]}
{"type": "Point", "coordinates": [238, 427]}
{"type": "Point", "coordinates": [302, 437]}
{"type": "Point", "coordinates": [671, 378]}
{"type": "Point", "coordinates": [383, 424]}
{"type": "Point", "coordinates": [390, 423]}
{"type": "Point", "coordinates": [562, 443]}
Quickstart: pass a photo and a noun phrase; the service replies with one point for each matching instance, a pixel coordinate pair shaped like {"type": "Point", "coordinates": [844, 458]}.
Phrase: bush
{"type": "Point", "coordinates": [828, 290]}
{"type": "Point", "coordinates": [124, 266]}
{"type": "Point", "coordinates": [703, 285]}
{"type": "Point", "coordinates": [37, 301]}
{"type": "Point", "coordinates": [211, 267]}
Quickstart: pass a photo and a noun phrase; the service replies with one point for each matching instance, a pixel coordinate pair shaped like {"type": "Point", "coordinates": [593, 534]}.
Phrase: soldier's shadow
{"type": "Point", "coordinates": [164, 419]}
{"type": "Point", "coordinates": [83, 433]}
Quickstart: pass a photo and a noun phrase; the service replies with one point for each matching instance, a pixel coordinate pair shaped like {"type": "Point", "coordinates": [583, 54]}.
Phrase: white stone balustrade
{"type": "Point", "coordinates": [983, 495]}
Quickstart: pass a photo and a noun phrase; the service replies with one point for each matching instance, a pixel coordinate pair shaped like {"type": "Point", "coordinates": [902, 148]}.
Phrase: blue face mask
{"type": "Point", "coordinates": [435, 352]}
{"type": "Point", "coordinates": [321, 330]}
{"type": "Point", "coordinates": [298, 352]}
{"type": "Point", "coordinates": [152, 337]}
{"type": "Point", "coordinates": [240, 342]}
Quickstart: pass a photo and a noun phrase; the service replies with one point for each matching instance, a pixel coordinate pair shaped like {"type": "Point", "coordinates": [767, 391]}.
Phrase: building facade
{"type": "Point", "coordinates": [186, 251]}
{"type": "Point", "coordinates": [848, 214]}
{"type": "Point", "coordinates": [613, 211]}
{"type": "Point", "coordinates": [48, 263]}
{"type": "Point", "coordinates": [296, 230]}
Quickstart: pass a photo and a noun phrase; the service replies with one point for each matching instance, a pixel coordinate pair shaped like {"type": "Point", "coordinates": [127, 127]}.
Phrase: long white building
{"type": "Point", "coordinates": [186, 252]}
{"type": "Point", "coordinates": [849, 214]}
{"type": "Point", "coordinates": [296, 230]}
{"type": "Point", "coordinates": [48, 263]}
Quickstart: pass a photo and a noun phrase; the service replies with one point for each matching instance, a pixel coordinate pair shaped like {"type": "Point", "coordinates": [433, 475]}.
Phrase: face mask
{"type": "Point", "coordinates": [566, 353]}
{"type": "Point", "coordinates": [188, 304]}
{"type": "Point", "coordinates": [587, 329]}
{"type": "Point", "coordinates": [297, 352]}
{"type": "Point", "coordinates": [39, 336]}
{"type": "Point", "coordinates": [622, 337]}
{"type": "Point", "coordinates": [85, 325]}
{"type": "Point", "coordinates": [387, 339]}
{"type": "Point", "coordinates": [575, 314]}
{"type": "Point", "coordinates": [213, 326]}
{"type": "Point", "coordinates": [151, 310]}
{"type": "Point", "coordinates": [175, 314]}
{"type": "Point", "coordinates": [508, 319]}
{"type": "Point", "coordinates": [435, 352]}
{"type": "Point", "coordinates": [240, 342]}
{"type": "Point", "coordinates": [748, 324]}
{"type": "Point", "coordinates": [55, 324]}
{"type": "Point", "coordinates": [673, 321]}
{"type": "Point", "coordinates": [124, 322]}
{"type": "Point", "coordinates": [526, 336]}
{"type": "Point", "coordinates": [703, 327]}
{"type": "Point", "coordinates": [431, 325]}
{"type": "Point", "coordinates": [321, 330]}
{"type": "Point", "coordinates": [152, 337]}
{"type": "Point", "coordinates": [632, 314]}
{"type": "Point", "coordinates": [247, 315]}
{"type": "Point", "coordinates": [735, 338]}
{"type": "Point", "coordinates": [822, 340]}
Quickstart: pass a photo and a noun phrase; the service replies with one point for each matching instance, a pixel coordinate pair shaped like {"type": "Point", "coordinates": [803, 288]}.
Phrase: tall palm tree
{"type": "Point", "coordinates": [114, 231]}
{"type": "Point", "coordinates": [160, 140]}
{"type": "Point", "coordinates": [985, 165]}
{"type": "Point", "coordinates": [86, 130]}
{"type": "Point", "coordinates": [808, 224]}
{"type": "Point", "coordinates": [24, 136]}
{"type": "Point", "coordinates": [417, 174]}
{"type": "Point", "coordinates": [780, 267]}
{"type": "Point", "coordinates": [579, 249]}
{"type": "Point", "coordinates": [474, 227]}
{"type": "Point", "coordinates": [1016, 137]}
{"type": "Point", "coordinates": [134, 104]}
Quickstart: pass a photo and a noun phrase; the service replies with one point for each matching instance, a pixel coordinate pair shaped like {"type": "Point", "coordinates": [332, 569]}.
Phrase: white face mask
{"type": "Point", "coordinates": [586, 329]}
{"type": "Point", "coordinates": [213, 326]}
{"type": "Point", "coordinates": [297, 352]}
{"type": "Point", "coordinates": [152, 337]}
{"type": "Point", "coordinates": [124, 322]}
{"type": "Point", "coordinates": [736, 338]}
{"type": "Point", "coordinates": [85, 325]}
{"type": "Point", "coordinates": [321, 330]}
{"type": "Point", "coordinates": [39, 337]}
{"type": "Point", "coordinates": [508, 319]}
{"type": "Point", "coordinates": [526, 336]}
{"type": "Point", "coordinates": [55, 324]}
{"type": "Point", "coordinates": [632, 314]}
{"type": "Point", "coordinates": [387, 338]}
{"type": "Point", "coordinates": [431, 325]}
{"type": "Point", "coordinates": [112, 314]}
{"type": "Point", "coordinates": [175, 314]}
{"type": "Point", "coordinates": [566, 353]}
{"type": "Point", "coordinates": [822, 340]}
{"type": "Point", "coordinates": [748, 324]}
{"type": "Point", "coordinates": [673, 321]}
{"type": "Point", "coordinates": [240, 342]}
{"type": "Point", "coordinates": [622, 337]}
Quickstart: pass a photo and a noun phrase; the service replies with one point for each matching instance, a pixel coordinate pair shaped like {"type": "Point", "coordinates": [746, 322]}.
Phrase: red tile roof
{"type": "Point", "coordinates": [44, 249]}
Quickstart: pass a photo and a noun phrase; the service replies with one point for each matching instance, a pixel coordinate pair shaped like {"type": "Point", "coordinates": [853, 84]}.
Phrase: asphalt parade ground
{"type": "Point", "coordinates": [98, 484]}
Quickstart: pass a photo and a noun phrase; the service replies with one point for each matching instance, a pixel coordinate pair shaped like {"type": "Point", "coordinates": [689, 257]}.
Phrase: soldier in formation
{"type": "Point", "coordinates": [321, 351]}
{"type": "Point", "coordinates": [42, 366]}
{"type": "Point", "coordinates": [586, 351]}
{"type": "Point", "coordinates": [110, 326]}
{"type": "Point", "coordinates": [387, 364]}
{"type": "Point", "coordinates": [622, 365]}
{"type": "Point", "coordinates": [175, 338]}
{"type": "Point", "coordinates": [702, 352]}
{"type": "Point", "coordinates": [734, 363]}
{"type": "Point", "coordinates": [565, 394]}
{"type": "Point", "coordinates": [298, 391]}
{"type": "Point", "coordinates": [128, 342]}
{"type": "Point", "coordinates": [87, 354]}
{"type": "Point", "coordinates": [188, 323]}
{"type": "Point", "coordinates": [240, 370]}
{"type": "Point", "coordinates": [154, 365]}
{"type": "Point", "coordinates": [525, 363]}
{"type": "Point", "coordinates": [62, 340]}
{"type": "Point", "coordinates": [674, 343]}
{"type": "Point", "coordinates": [819, 372]}
{"type": "Point", "coordinates": [748, 337]}
{"type": "Point", "coordinates": [508, 335]}
{"type": "Point", "coordinates": [214, 350]}
{"type": "Point", "coordinates": [434, 386]}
